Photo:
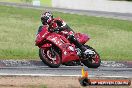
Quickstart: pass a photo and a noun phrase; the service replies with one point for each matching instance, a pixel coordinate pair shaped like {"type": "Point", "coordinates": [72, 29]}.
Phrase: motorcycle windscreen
{"type": "Point", "coordinates": [41, 35]}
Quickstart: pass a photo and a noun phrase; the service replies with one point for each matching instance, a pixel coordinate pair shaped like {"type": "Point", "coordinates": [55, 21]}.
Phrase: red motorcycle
{"type": "Point", "coordinates": [55, 49]}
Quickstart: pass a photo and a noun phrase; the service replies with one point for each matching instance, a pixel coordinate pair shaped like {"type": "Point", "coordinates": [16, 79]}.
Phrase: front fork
{"type": "Point", "coordinates": [52, 52]}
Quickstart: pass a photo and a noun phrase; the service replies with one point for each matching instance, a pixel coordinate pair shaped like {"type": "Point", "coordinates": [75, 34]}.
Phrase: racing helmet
{"type": "Point", "coordinates": [46, 18]}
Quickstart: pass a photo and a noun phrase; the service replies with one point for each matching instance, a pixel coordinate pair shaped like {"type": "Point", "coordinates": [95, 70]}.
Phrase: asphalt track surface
{"type": "Point", "coordinates": [37, 68]}
{"type": "Point", "coordinates": [114, 15]}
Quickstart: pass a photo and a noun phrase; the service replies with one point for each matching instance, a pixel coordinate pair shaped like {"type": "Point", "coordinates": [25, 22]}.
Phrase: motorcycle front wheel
{"type": "Point", "coordinates": [50, 58]}
{"type": "Point", "coordinates": [94, 61]}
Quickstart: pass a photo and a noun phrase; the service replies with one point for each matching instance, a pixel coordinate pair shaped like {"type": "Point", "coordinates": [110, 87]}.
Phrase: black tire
{"type": "Point", "coordinates": [46, 59]}
{"type": "Point", "coordinates": [89, 62]}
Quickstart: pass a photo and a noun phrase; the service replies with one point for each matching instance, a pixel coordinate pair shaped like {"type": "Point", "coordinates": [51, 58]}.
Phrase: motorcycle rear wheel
{"type": "Point", "coordinates": [93, 62]}
{"type": "Point", "coordinates": [46, 56]}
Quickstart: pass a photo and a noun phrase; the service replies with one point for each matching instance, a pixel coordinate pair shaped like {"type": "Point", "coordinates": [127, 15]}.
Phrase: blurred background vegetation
{"type": "Point", "coordinates": [18, 27]}
{"type": "Point", "coordinates": [43, 2]}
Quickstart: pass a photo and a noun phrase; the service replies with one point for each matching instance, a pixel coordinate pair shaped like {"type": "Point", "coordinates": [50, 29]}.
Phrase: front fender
{"type": "Point", "coordinates": [46, 45]}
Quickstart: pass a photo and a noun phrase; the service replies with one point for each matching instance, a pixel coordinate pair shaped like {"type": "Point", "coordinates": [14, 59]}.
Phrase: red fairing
{"type": "Point", "coordinates": [68, 50]}
{"type": "Point", "coordinates": [41, 35]}
{"type": "Point", "coordinates": [82, 38]}
{"type": "Point", "coordinates": [69, 55]}
{"type": "Point", "coordinates": [45, 39]}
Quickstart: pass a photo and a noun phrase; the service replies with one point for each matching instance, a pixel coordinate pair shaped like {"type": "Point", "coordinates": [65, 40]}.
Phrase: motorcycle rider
{"type": "Point", "coordinates": [57, 24]}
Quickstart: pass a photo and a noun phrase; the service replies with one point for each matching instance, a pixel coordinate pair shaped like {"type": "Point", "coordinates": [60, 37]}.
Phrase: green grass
{"type": "Point", "coordinates": [43, 2]}
{"type": "Point", "coordinates": [111, 38]}
{"type": "Point", "coordinates": [17, 1]}
{"type": "Point", "coordinates": [46, 2]}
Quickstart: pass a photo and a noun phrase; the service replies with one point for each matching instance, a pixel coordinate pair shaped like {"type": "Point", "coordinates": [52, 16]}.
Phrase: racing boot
{"type": "Point", "coordinates": [89, 53]}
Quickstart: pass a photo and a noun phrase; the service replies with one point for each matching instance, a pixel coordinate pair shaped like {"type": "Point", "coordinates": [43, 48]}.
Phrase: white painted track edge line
{"type": "Point", "coordinates": [52, 75]}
